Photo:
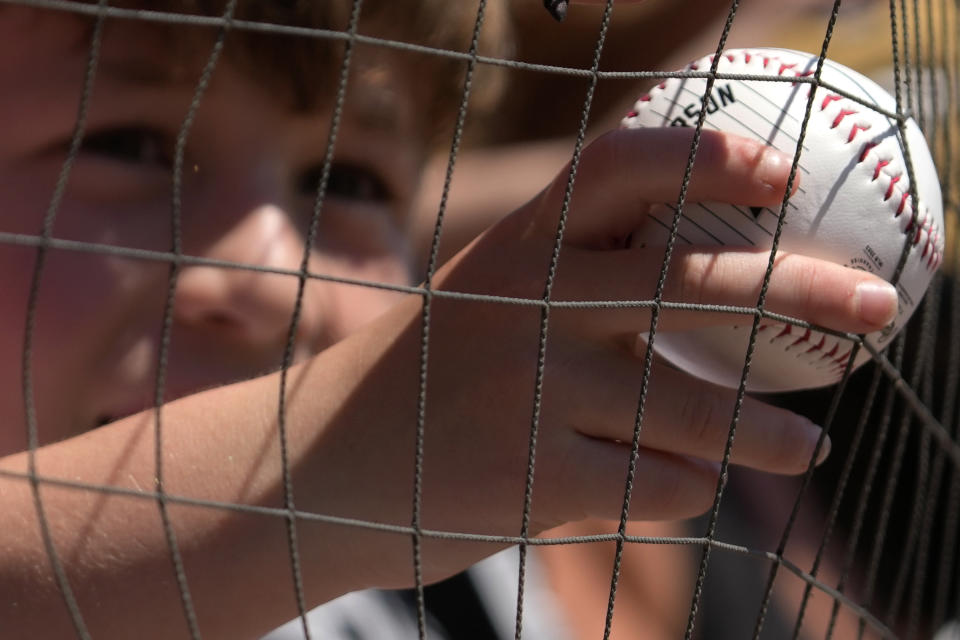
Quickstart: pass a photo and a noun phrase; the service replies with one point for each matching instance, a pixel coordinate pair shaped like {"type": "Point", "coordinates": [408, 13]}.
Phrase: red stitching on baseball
{"type": "Point", "coordinates": [903, 203]}
{"type": "Point", "coordinates": [799, 75]}
{"type": "Point", "coordinates": [880, 165]}
{"type": "Point", "coordinates": [830, 354]}
{"type": "Point", "coordinates": [893, 182]}
{"type": "Point", "coordinates": [821, 356]}
{"type": "Point", "coordinates": [843, 114]}
{"type": "Point", "coordinates": [925, 224]}
{"type": "Point", "coordinates": [841, 361]}
{"type": "Point", "coordinates": [819, 345]}
{"type": "Point", "coordinates": [855, 129]}
{"type": "Point", "coordinates": [804, 338]}
{"type": "Point", "coordinates": [784, 66]}
{"type": "Point", "coordinates": [827, 99]}
{"type": "Point", "coordinates": [936, 258]}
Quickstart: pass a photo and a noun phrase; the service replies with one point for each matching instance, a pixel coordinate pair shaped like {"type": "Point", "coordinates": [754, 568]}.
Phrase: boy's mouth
{"type": "Point", "coordinates": [113, 416]}
{"type": "Point", "coordinates": [102, 420]}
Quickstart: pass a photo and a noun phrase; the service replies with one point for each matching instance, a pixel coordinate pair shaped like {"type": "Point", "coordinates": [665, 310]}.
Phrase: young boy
{"type": "Point", "coordinates": [251, 167]}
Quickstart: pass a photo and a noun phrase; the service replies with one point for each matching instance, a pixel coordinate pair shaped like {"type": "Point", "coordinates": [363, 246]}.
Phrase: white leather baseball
{"type": "Point", "coordinates": [852, 207]}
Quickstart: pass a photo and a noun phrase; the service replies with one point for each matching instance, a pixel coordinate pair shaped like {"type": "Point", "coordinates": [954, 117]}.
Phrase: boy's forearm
{"type": "Point", "coordinates": [487, 183]}
{"type": "Point", "coordinates": [220, 446]}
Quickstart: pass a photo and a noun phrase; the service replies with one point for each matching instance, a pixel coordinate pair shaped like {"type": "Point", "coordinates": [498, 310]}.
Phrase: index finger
{"type": "Point", "coordinates": [624, 170]}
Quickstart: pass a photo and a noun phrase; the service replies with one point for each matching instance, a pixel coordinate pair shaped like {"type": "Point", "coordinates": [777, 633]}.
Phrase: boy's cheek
{"type": "Point", "coordinates": [82, 296]}
{"type": "Point", "coordinates": [345, 307]}
{"type": "Point", "coordinates": [87, 308]}
{"type": "Point", "coordinates": [137, 223]}
{"type": "Point", "coordinates": [58, 336]}
{"type": "Point", "coordinates": [25, 199]}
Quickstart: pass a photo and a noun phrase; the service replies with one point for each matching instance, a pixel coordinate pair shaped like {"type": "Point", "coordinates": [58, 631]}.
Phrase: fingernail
{"type": "Point", "coordinates": [877, 303]}
{"type": "Point", "coordinates": [774, 168]}
{"type": "Point", "coordinates": [824, 450]}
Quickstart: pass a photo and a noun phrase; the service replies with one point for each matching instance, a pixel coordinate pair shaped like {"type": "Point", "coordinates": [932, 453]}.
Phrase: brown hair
{"type": "Point", "coordinates": [304, 67]}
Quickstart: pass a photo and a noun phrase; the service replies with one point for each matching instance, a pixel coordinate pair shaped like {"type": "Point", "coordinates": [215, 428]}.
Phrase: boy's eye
{"type": "Point", "coordinates": [348, 182]}
{"type": "Point", "coordinates": [138, 145]}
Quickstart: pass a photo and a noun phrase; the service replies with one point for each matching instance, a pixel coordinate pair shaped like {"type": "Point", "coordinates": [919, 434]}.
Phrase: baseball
{"type": "Point", "coordinates": [853, 205]}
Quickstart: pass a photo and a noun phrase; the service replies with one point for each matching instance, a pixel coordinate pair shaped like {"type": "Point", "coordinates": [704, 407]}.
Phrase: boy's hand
{"type": "Point", "coordinates": [483, 356]}
{"type": "Point", "coordinates": [351, 416]}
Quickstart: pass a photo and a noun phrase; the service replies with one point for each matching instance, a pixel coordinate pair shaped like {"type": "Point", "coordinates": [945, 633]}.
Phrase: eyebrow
{"type": "Point", "coordinates": [371, 106]}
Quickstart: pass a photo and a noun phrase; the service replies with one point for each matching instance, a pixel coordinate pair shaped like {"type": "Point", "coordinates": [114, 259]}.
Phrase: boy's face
{"type": "Point", "coordinates": [250, 175]}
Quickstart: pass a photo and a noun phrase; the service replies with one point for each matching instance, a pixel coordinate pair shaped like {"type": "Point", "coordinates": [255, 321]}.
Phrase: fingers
{"type": "Point", "coordinates": [665, 486]}
{"type": "Point", "coordinates": [682, 416]}
{"type": "Point", "coordinates": [820, 292]}
{"type": "Point", "coordinates": [624, 170]}
{"type": "Point", "coordinates": [694, 417]}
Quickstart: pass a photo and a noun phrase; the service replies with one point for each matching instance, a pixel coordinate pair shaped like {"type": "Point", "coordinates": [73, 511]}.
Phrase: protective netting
{"type": "Point", "coordinates": [885, 545]}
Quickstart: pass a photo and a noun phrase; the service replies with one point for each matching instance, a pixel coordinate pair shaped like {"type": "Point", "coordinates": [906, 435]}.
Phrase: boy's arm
{"type": "Point", "coordinates": [517, 170]}
{"type": "Point", "coordinates": [352, 415]}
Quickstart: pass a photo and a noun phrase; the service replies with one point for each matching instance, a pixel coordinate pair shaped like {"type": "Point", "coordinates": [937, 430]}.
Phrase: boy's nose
{"type": "Point", "coordinates": [251, 304]}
